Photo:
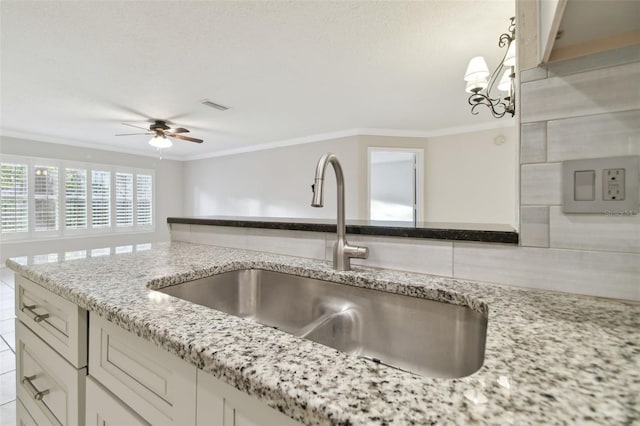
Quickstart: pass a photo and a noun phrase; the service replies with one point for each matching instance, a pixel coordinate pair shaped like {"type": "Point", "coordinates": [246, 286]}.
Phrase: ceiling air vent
{"type": "Point", "coordinates": [208, 103]}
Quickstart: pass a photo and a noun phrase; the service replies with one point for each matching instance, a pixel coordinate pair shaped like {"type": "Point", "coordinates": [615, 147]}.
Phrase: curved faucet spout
{"type": "Point", "coordinates": [342, 251]}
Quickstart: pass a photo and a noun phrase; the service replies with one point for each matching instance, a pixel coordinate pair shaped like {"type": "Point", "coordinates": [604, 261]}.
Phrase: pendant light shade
{"type": "Point", "coordinates": [477, 70]}
{"type": "Point", "coordinates": [510, 58]}
{"type": "Point", "coordinates": [505, 82]}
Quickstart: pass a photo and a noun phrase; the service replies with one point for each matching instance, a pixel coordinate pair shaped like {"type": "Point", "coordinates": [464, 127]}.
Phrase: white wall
{"type": "Point", "coordinates": [273, 183]}
{"type": "Point", "coordinates": [169, 187]}
{"type": "Point", "coordinates": [468, 178]}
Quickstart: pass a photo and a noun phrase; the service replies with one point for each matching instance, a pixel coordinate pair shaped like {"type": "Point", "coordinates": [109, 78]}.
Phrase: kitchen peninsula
{"type": "Point", "coordinates": [549, 357]}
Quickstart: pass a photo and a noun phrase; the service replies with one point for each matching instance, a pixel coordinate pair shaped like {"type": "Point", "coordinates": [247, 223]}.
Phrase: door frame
{"type": "Point", "coordinates": [418, 178]}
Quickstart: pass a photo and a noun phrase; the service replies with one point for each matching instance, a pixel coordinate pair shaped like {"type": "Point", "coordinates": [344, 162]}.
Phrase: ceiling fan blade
{"type": "Point", "coordinates": [131, 134]}
{"type": "Point", "coordinates": [184, 138]}
{"type": "Point", "coordinates": [179, 130]}
{"type": "Point", "coordinates": [137, 127]}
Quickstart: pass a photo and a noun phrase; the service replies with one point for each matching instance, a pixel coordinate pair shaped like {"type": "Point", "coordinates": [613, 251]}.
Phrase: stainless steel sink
{"type": "Point", "coordinates": [422, 336]}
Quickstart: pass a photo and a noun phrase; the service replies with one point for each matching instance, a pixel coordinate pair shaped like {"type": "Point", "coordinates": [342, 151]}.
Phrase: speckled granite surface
{"type": "Point", "coordinates": [550, 358]}
{"type": "Point", "coordinates": [486, 232]}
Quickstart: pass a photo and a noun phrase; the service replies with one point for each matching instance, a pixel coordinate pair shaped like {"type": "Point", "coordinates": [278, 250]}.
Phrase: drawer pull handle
{"type": "Point", "coordinates": [35, 393]}
{"type": "Point", "coordinates": [36, 317]}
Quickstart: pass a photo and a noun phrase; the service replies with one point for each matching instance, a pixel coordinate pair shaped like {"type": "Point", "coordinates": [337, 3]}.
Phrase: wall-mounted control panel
{"type": "Point", "coordinates": [601, 185]}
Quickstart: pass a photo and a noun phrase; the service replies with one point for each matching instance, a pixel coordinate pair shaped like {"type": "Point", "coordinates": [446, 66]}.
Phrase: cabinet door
{"type": "Point", "coordinates": [60, 323]}
{"type": "Point", "coordinates": [23, 418]}
{"type": "Point", "coordinates": [255, 413]}
{"type": "Point", "coordinates": [157, 385]}
{"type": "Point", "coordinates": [210, 405]}
{"type": "Point", "coordinates": [50, 388]}
{"type": "Point", "coordinates": [104, 409]}
{"type": "Point", "coordinates": [220, 404]}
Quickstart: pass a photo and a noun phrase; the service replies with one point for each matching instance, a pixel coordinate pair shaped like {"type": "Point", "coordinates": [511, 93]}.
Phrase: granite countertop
{"type": "Point", "coordinates": [550, 357]}
{"type": "Point", "coordinates": [484, 232]}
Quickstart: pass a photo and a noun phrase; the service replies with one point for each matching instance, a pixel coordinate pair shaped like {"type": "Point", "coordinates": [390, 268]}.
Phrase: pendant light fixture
{"type": "Point", "coordinates": [480, 83]}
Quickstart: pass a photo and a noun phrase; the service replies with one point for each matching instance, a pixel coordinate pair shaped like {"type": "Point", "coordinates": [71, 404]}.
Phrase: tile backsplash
{"type": "Point", "coordinates": [586, 108]}
{"type": "Point", "coordinates": [603, 135]}
{"type": "Point", "coordinates": [598, 91]}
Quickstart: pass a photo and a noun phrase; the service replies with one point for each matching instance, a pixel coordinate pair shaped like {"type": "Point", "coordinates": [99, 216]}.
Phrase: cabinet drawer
{"type": "Point", "coordinates": [157, 385]}
{"type": "Point", "coordinates": [23, 418]}
{"type": "Point", "coordinates": [50, 388]}
{"type": "Point", "coordinates": [60, 323]}
{"type": "Point", "coordinates": [105, 409]}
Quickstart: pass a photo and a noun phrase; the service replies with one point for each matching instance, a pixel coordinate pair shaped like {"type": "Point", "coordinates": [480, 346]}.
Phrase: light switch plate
{"type": "Point", "coordinates": [613, 181]}
{"type": "Point", "coordinates": [584, 186]}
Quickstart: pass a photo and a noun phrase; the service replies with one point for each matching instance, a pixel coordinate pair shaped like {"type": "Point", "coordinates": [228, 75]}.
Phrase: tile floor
{"type": "Point", "coordinates": [7, 350]}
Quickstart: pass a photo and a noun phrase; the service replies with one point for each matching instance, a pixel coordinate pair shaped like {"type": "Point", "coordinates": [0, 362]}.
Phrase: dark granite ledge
{"type": "Point", "coordinates": [488, 233]}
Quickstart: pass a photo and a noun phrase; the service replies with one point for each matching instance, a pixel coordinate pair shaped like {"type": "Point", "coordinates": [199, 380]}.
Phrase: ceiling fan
{"type": "Point", "coordinates": [161, 134]}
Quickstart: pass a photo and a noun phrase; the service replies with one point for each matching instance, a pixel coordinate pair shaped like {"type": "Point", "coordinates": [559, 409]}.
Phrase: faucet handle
{"type": "Point", "coordinates": [356, 252]}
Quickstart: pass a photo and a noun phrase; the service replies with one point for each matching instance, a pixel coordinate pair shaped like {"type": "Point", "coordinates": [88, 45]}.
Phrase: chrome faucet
{"type": "Point", "coordinates": [342, 251]}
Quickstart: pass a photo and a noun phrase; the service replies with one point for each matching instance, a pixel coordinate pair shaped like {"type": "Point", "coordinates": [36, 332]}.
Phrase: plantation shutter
{"type": "Point", "coordinates": [14, 198]}
{"type": "Point", "coordinates": [100, 199]}
{"type": "Point", "coordinates": [45, 193]}
{"type": "Point", "coordinates": [76, 198]}
{"type": "Point", "coordinates": [124, 199]}
{"type": "Point", "coordinates": [144, 194]}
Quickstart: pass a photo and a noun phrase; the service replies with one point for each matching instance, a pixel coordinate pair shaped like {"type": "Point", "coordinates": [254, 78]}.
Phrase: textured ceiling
{"type": "Point", "coordinates": [73, 71]}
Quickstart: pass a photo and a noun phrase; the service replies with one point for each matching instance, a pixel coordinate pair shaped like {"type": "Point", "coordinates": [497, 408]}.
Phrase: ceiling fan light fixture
{"type": "Point", "coordinates": [160, 141]}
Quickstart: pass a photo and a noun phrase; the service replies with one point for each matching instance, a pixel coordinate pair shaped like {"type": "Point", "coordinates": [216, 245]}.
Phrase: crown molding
{"type": "Point", "coordinates": [277, 144]}
{"type": "Point", "coordinates": [358, 132]}
{"type": "Point", "coordinates": [81, 144]}
{"type": "Point", "coordinates": [504, 123]}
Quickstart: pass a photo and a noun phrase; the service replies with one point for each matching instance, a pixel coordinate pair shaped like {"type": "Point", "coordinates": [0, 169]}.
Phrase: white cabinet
{"type": "Point", "coordinates": [105, 409]}
{"type": "Point", "coordinates": [60, 323]}
{"type": "Point", "coordinates": [157, 385]}
{"type": "Point", "coordinates": [131, 381]}
{"type": "Point", "coordinates": [51, 389]}
{"type": "Point", "coordinates": [549, 18]}
{"type": "Point", "coordinates": [23, 418]}
{"type": "Point", "coordinates": [164, 389]}
{"type": "Point", "coordinates": [51, 357]}
{"type": "Point", "coordinates": [573, 29]}
{"type": "Point", "coordinates": [210, 403]}
{"type": "Point", "coordinates": [222, 404]}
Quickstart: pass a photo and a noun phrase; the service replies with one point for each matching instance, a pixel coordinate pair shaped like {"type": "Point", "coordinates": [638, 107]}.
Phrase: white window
{"type": "Point", "coordinates": [45, 197]}
{"type": "Point", "coordinates": [100, 199]}
{"type": "Point", "coordinates": [124, 199]}
{"type": "Point", "coordinates": [75, 187]}
{"type": "Point", "coordinates": [15, 198]}
{"type": "Point", "coordinates": [144, 198]}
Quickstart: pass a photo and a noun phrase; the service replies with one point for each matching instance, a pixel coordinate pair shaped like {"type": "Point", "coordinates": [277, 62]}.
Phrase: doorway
{"type": "Point", "coordinates": [395, 184]}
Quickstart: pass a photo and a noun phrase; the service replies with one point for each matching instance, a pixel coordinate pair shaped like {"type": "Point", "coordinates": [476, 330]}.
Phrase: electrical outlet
{"type": "Point", "coordinates": [608, 185]}
{"type": "Point", "coordinates": [613, 184]}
